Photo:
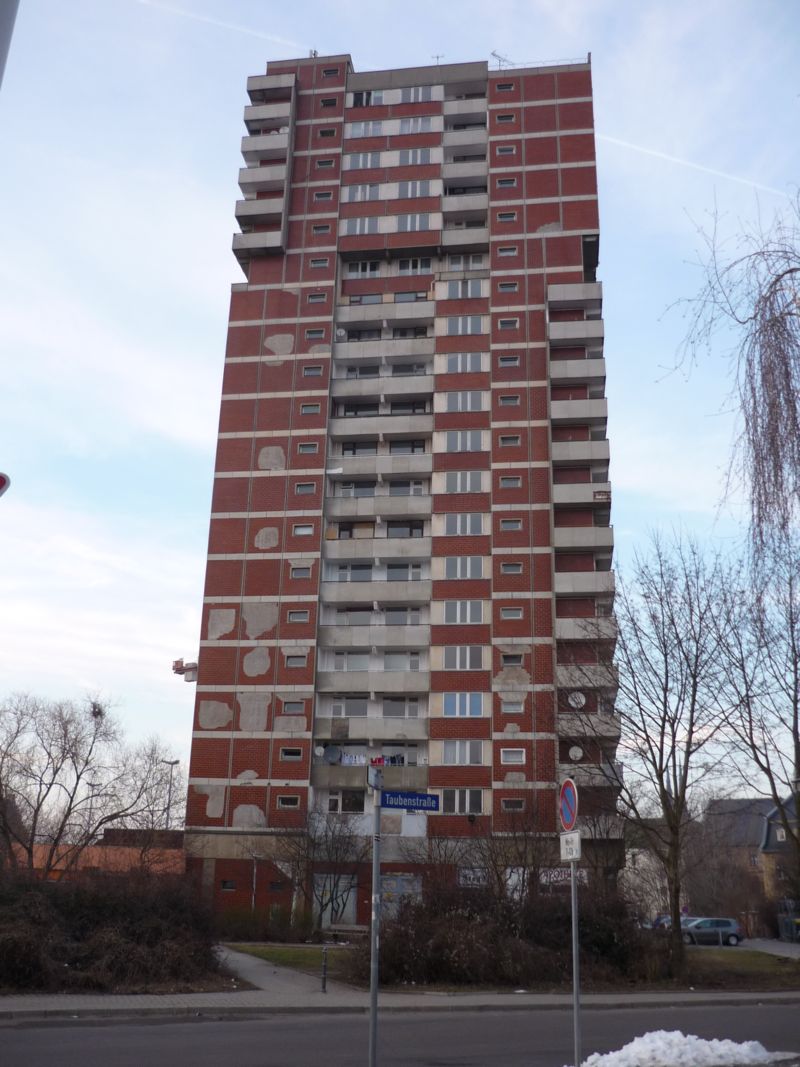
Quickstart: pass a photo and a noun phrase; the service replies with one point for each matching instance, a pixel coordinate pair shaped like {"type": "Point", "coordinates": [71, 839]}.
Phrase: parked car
{"type": "Point", "coordinates": [712, 932]}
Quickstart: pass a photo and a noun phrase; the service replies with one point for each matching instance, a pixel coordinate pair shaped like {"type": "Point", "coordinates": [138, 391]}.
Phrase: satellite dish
{"type": "Point", "coordinates": [340, 333]}
{"type": "Point", "coordinates": [319, 750]}
{"type": "Point", "coordinates": [332, 754]}
{"type": "Point", "coordinates": [576, 753]}
{"type": "Point", "coordinates": [576, 700]}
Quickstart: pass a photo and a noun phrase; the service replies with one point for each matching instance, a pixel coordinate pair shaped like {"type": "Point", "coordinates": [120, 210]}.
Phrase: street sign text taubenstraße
{"type": "Point", "coordinates": [410, 801]}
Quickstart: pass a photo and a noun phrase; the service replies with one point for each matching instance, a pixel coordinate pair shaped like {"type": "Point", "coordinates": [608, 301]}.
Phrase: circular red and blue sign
{"type": "Point", "coordinates": [568, 805]}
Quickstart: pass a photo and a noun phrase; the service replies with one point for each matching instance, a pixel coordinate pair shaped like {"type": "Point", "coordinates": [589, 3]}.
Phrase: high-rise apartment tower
{"type": "Point", "coordinates": [410, 553]}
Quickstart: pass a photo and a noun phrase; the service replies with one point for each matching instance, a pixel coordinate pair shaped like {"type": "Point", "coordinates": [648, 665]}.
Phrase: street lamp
{"type": "Point", "coordinates": [172, 764]}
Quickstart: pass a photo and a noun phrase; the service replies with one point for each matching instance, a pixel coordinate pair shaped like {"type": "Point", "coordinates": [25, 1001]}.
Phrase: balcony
{"type": "Point", "coordinates": [587, 295]}
{"type": "Point", "coordinates": [370, 351]}
{"type": "Point", "coordinates": [352, 466]}
{"type": "Point", "coordinates": [271, 179]}
{"type": "Point", "coordinates": [595, 628]}
{"type": "Point", "coordinates": [338, 776]}
{"type": "Point", "coordinates": [586, 676]}
{"type": "Point", "coordinates": [474, 108]}
{"type": "Point", "coordinates": [584, 332]}
{"type": "Point", "coordinates": [570, 370]}
{"type": "Point", "coordinates": [579, 410]}
{"type": "Point", "coordinates": [265, 146]}
{"type": "Point", "coordinates": [404, 507]}
{"type": "Point", "coordinates": [259, 212]}
{"type": "Point", "coordinates": [267, 116]}
{"type": "Point", "coordinates": [380, 426]}
{"type": "Point", "coordinates": [595, 724]}
{"type": "Point", "coordinates": [584, 583]}
{"type": "Point", "coordinates": [392, 682]}
{"type": "Point", "coordinates": [246, 245]}
{"type": "Point", "coordinates": [262, 88]}
{"type": "Point", "coordinates": [380, 590]}
{"type": "Point", "coordinates": [587, 494]}
{"type": "Point", "coordinates": [388, 385]}
{"type": "Point", "coordinates": [464, 203]}
{"type": "Point", "coordinates": [466, 239]}
{"type": "Point", "coordinates": [459, 171]}
{"type": "Point", "coordinates": [386, 548]}
{"type": "Point", "coordinates": [475, 138]}
{"type": "Point", "coordinates": [580, 451]}
{"type": "Point", "coordinates": [343, 636]}
{"type": "Point", "coordinates": [371, 729]}
{"type": "Point", "coordinates": [399, 312]}
{"type": "Point", "coordinates": [574, 537]}
{"type": "Point", "coordinates": [593, 774]}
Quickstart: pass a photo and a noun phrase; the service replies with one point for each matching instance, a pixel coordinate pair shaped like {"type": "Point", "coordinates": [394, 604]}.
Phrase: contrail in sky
{"type": "Point", "coordinates": [218, 22]}
{"type": "Point", "coordinates": [694, 166]}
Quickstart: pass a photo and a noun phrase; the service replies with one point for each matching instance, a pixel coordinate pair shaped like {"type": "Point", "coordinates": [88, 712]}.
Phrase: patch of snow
{"type": "Point", "coordinates": [671, 1048]}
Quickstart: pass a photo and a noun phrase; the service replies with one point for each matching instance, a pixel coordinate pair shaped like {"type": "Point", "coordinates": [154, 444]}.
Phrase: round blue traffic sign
{"type": "Point", "coordinates": [568, 805]}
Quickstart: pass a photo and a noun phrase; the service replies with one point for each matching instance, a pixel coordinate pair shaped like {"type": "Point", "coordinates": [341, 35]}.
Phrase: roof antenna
{"type": "Point", "coordinates": [500, 60]}
{"type": "Point", "coordinates": [437, 57]}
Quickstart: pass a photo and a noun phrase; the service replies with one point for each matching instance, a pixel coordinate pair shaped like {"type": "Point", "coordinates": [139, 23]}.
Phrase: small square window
{"type": "Point", "coordinates": [508, 361]}
{"type": "Point", "coordinates": [506, 150]}
{"type": "Point", "coordinates": [303, 529]}
{"type": "Point", "coordinates": [309, 409]}
{"type": "Point", "coordinates": [294, 707]}
{"type": "Point", "coordinates": [330, 72]}
{"type": "Point", "coordinates": [506, 216]}
{"type": "Point", "coordinates": [315, 334]}
{"type": "Point", "coordinates": [305, 488]}
{"type": "Point", "coordinates": [327, 133]}
{"type": "Point", "coordinates": [300, 572]}
{"type": "Point", "coordinates": [511, 659]}
{"type": "Point", "coordinates": [314, 371]}
{"type": "Point", "coordinates": [504, 120]}
{"type": "Point", "coordinates": [315, 264]}
{"type": "Point", "coordinates": [510, 613]}
{"type": "Point", "coordinates": [507, 250]}
{"type": "Point", "coordinates": [512, 755]}
{"type": "Point", "coordinates": [507, 287]}
{"type": "Point", "coordinates": [512, 804]}
{"type": "Point", "coordinates": [227, 885]}
{"type": "Point", "coordinates": [505, 87]}
{"type": "Point", "coordinates": [317, 298]}
{"type": "Point", "coordinates": [288, 801]}
{"type": "Point", "coordinates": [511, 568]}
{"type": "Point", "coordinates": [506, 183]}
{"type": "Point", "coordinates": [509, 400]}
{"type": "Point", "coordinates": [511, 482]}
{"type": "Point", "coordinates": [511, 524]}
{"type": "Point", "coordinates": [509, 440]}
{"type": "Point", "coordinates": [307, 448]}
{"type": "Point", "coordinates": [323, 194]}
{"type": "Point", "coordinates": [508, 324]}
{"type": "Point", "coordinates": [293, 754]}
{"type": "Point", "coordinates": [324, 164]}
{"type": "Point", "coordinates": [328, 101]}
{"type": "Point", "coordinates": [298, 659]}
{"type": "Point", "coordinates": [512, 705]}
{"type": "Point", "coordinates": [298, 616]}
{"type": "Point", "coordinates": [320, 228]}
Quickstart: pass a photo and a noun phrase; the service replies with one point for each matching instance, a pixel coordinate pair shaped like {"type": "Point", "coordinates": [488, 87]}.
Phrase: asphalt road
{"type": "Point", "coordinates": [457, 1039]}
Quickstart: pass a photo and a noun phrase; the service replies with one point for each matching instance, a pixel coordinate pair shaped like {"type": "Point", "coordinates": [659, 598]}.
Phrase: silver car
{"type": "Point", "coordinates": [712, 932]}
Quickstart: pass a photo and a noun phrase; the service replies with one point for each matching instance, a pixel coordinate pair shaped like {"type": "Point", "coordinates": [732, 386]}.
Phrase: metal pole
{"type": "Point", "coordinates": [172, 764]}
{"type": "Point", "coordinates": [576, 975]}
{"type": "Point", "coordinates": [324, 968]}
{"type": "Point", "coordinates": [375, 925]}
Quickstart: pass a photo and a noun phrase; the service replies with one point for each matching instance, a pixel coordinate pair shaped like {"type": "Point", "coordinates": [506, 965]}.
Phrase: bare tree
{"type": "Point", "coordinates": [668, 702]}
{"type": "Point", "coordinates": [65, 774]}
{"type": "Point", "coordinates": [751, 292]}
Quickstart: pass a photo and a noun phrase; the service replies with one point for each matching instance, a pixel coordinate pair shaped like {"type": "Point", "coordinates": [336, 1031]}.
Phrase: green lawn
{"type": "Point", "coordinates": [305, 958]}
{"type": "Point", "coordinates": [741, 968]}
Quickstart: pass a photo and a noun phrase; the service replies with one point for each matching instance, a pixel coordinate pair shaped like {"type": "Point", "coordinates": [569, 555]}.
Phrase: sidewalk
{"type": "Point", "coordinates": [282, 990]}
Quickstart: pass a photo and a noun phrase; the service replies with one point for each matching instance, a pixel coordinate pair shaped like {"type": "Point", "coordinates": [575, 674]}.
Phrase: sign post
{"type": "Point", "coordinates": [375, 780]}
{"type": "Point", "coordinates": [571, 851]}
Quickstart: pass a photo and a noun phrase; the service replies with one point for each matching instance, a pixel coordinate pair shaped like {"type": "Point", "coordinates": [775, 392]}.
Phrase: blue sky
{"type": "Point", "coordinates": [119, 125]}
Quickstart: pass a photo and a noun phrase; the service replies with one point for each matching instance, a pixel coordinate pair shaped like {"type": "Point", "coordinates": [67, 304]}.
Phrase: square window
{"type": "Point", "coordinates": [297, 616]}
{"type": "Point", "coordinates": [509, 440]}
{"type": "Point", "coordinates": [505, 87]}
{"type": "Point", "coordinates": [509, 400]}
{"type": "Point", "coordinates": [512, 755]}
{"type": "Point", "coordinates": [512, 705]}
{"type": "Point", "coordinates": [313, 371]}
{"type": "Point", "coordinates": [508, 361]}
{"type": "Point", "coordinates": [305, 488]}
{"type": "Point", "coordinates": [317, 298]}
{"type": "Point", "coordinates": [507, 250]}
{"type": "Point", "coordinates": [303, 529]}
{"type": "Point", "coordinates": [511, 482]}
{"type": "Point", "coordinates": [506, 183]}
{"type": "Point", "coordinates": [323, 194]}
{"type": "Point", "coordinates": [316, 264]}
{"type": "Point", "coordinates": [324, 164]}
{"type": "Point", "coordinates": [506, 216]}
{"type": "Point", "coordinates": [300, 572]}
{"type": "Point", "coordinates": [330, 72]}
{"type": "Point", "coordinates": [294, 707]}
{"type": "Point", "coordinates": [288, 801]}
{"type": "Point", "coordinates": [296, 659]}
{"type": "Point", "coordinates": [307, 448]}
{"type": "Point", "coordinates": [503, 324]}
{"type": "Point", "coordinates": [321, 228]}
{"type": "Point", "coordinates": [511, 568]}
{"type": "Point", "coordinates": [506, 150]}
{"type": "Point", "coordinates": [512, 804]}
{"type": "Point", "coordinates": [309, 409]}
{"type": "Point", "coordinates": [327, 133]}
{"type": "Point", "coordinates": [511, 659]}
{"type": "Point", "coordinates": [291, 753]}
{"type": "Point", "coordinates": [328, 101]}
{"type": "Point", "coordinates": [227, 885]}
{"type": "Point", "coordinates": [507, 287]}
{"type": "Point", "coordinates": [318, 333]}
{"type": "Point", "coordinates": [506, 119]}
{"type": "Point", "coordinates": [510, 613]}
{"type": "Point", "coordinates": [510, 524]}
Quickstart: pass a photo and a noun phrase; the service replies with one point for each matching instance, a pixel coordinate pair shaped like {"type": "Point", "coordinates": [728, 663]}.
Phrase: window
{"type": "Point", "coordinates": [354, 572]}
{"type": "Point", "coordinates": [330, 72]}
{"type": "Point", "coordinates": [464, 441]}
{"type": "Point", "coordinates": [405, 528]}
{"type": "Point", "coordinates": [410, 157]}
{"type": "Point", "coordinates": [317, 298]}
{"type": "Point", "coordinates": [309, 409]}
{"type": "Point", "coordinates": [509, 440]}
{"type": "Point", "coordinates": [463, 290]}
{"type": "Point", "coordinates": [514, 756]}
{"type": "Point", "coordinates": [298, 659]}
{"type": "Point", "coordinates": [418, 265]}
{"type": "Point", "coordinates": [294, 707]}
{"type": "Point", "coordinates": [323, 194]}
{"type": "Point", "coordinates": [462, 801]}
{"type": "Point", "coordinates": [307, 448]}
{"type": "Point", "coordinates": [459, 523]}
{"type": "Point", "coordinates": [300, 572]}
{"type": "Point", "coordinates": [354, 706]}
{"type": "Point", "coordinates": [463, 362]}
{"type": "Point", "coordinates": [324, 164]}
{"type": "Point", "coordinates": [506, 119]}
{"type": "Point", "coordinates": [362, 225]}
{"type": "Point", "coordinates": [416, 124]}
{"type": "Point", "coordinates": [463, 482]}
{"type": "Point", "coordinates": [464, 324]}
{"type": "Point", "coordinates": [363, 267]}
{"type": "Point", "coordinates": [291, 753]}
{"type": "Point", "coordinates": [506, 150]}
{"type": "Point", "coordinates": [512, 705]}
{"type": "Point", "coordinates": [511, 568]}
{"type": "Point", "coordinates": [408, 407]}
{"type": "Point", "coordinates": [305, 488]}
{"type": "Point", "coordinates": [356, 489]}
{"type": "Point", "coordinates": [360, 193]}
{"type": "Point", "coordinates": [505, 87]}
{"type": "Point", "coordinates": [507, 250]}
{"type": "Point", "coordinates": [363, 160]}
{"type": "Point", "coordinates": [462, 753]}
{"type": "Point", "coordinates": [406, 370]}
{"type": "Point", "coordinates": [506, 216]}
{"type": "Point", "coordinates": [511, 612]}
{"type": "Point", "coordinates": [510, 524]}
{"type": "Point", "coordinates": [409, 296]}
{"type": "Point", "coordinates": [315, 334]}
{"type": "Point", "coordinates": [408, 332]}
{"type": "Point", "coordinates": [288, 801]}
{"type": "Point", "coordinates": [303, 529]}
{"type": "Point", "coordinates": [316, 264]}
{"type": "Point", "coordinates": [511, 659]}
{"type": "Point", "coordinates": [368, 97]}
{"type": "Point", "coordinates": [401, 661]}
{"type": "Point", "coordinates": [508, 324]}
{"type": "Point", "coordinates": [403, 572]}
{"type": "Point", "coordinates": [412, 223]}
{"type": "Point", "coordinates": [509, 400]}
{"type": "Point", "coordinates": [406, 448]}
{"type": "Point", "coordinates": [468, 401]}
{"type": "Point", "coordinates": [312, 371]}
{"type": "Point", "coordinates": [463, 611]}
{"type": "Point", "coordinates": [321, 228]}
{"type": "Point", "coordinates": [508, 361]}
{"type": "Point", "coordinates": [227, 885]}
{"type": "Point", "coordinates": [512, 804]}
{"type": "Point", "coordinates": [401, 707]}
{"type": "Point", "coordinates": [370, 128]}
{"type": "Point", "coordinates": [297, 616]}
{"type": "Point", "coordinates": [415, 94]}
{"type": "Point", "coordinates": [416, 188]}
{"type": "Point", "coordinates": [346, 801]}
{"type": "Point", "coordinates": [327, 132]}
{"type": "Point", "coordinates": [370, 370]}
{"type": "Point", "coordinates": [463, 658]}
{"type": "Point", "coordinates": [506, 183]}
{"type": "Point", "coordinates": [780, 834]}
{"type": "Point", "coordinates": [463, 567]}
{"type": "Point", "coordinates": [351, 661]}
{"type": "Point", "coordinates": [471, 262]}
{"type": "Point", "coordinates": [507, 287]}
{"type": "Point", "coordinates": [359, 448]}
{"type": "Point", "coordinates": [401, 616]}
{"type": "Point", "coordinates": [463, 705]}
{"type": "Point", "coordinates": [511, 481]}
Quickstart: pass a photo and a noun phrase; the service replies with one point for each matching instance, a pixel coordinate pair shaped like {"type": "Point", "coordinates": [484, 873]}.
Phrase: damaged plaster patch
{"type": "Point", "coordinates": [549, 227]}
{"type": "Point", "coordinates": [271, 458]}
{"type": "Point", "coordinates": [247, 776]}
{"type": "Point", "coordinates": [215, 805]}
{"type": "Point", "coordinates": [213, 713]}
{"type": "Point", "coordinates": [514, 777]}
{"type": "Point", "coordinates": [290, 724]}
{"type": "Point", "coordinates": [249, 816]}
{"type": "Point", "coordinates": [267, 537]}
{"type": "Point", "coordinates": [253, 711]}
{"type": "Point", "coordinates": [256, 662]}
{"type": "Point", "coordinates": [259, 618]}
{"type": "Point", "coordinates": [511, 728]}
{"type": "Point", "coordinates": [220, 622]}
{"type": "Point", "coordinates": [319, 350]}
{"type": "Point", "coordinates": [512, 677]}
{"type": "Point", "coordinates": [279, 344]}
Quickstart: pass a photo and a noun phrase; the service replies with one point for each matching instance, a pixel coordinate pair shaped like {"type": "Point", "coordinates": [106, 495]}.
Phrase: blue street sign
{"type": "Point", "coordinates": [568, 805]}
{"type": "Point", "coordinates": [410, 801]}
